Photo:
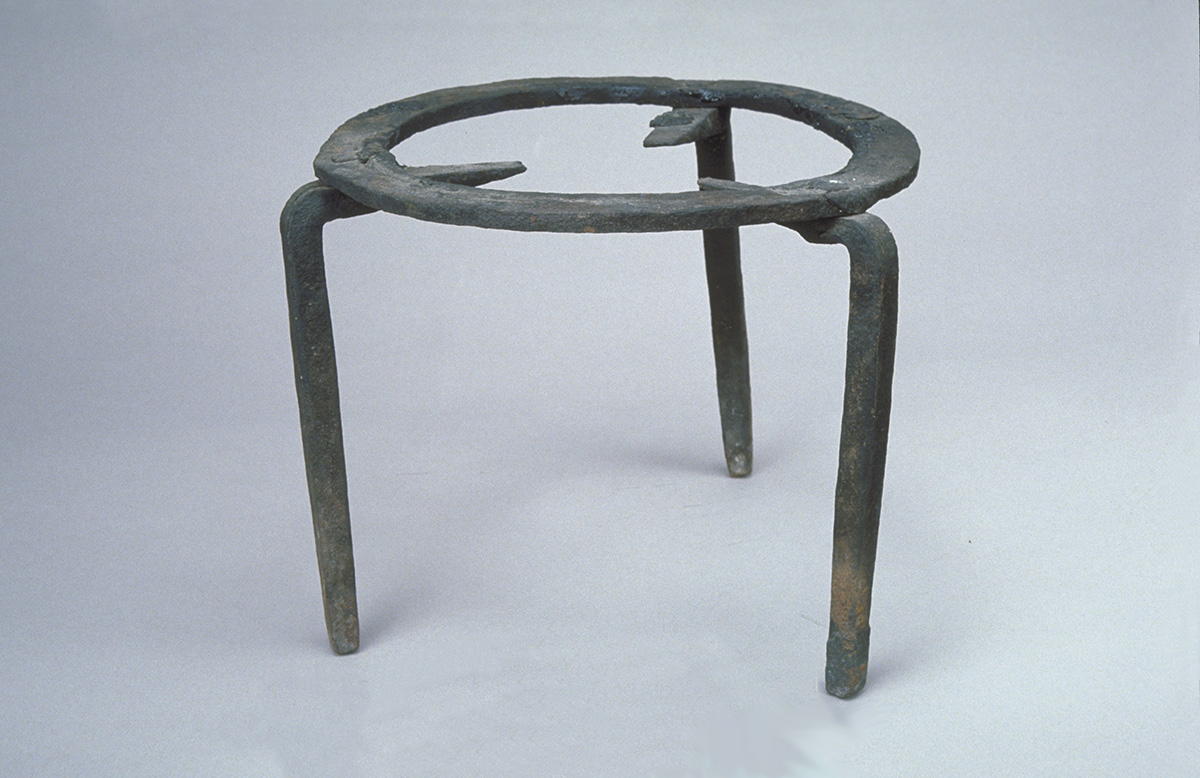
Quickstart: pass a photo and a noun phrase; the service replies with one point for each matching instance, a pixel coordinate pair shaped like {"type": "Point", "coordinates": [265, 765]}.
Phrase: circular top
{"type": "Point", "coordinates": [356, 159]}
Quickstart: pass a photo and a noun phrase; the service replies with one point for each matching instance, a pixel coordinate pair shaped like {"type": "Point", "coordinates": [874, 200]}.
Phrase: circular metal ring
{"type": "Point", "coordinates": [357, 159]}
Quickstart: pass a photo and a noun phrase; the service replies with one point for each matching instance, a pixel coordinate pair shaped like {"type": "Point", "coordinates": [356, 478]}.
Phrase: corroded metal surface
{"type": "Point", "coordinates": [870, 357]}
{"type": "Point", "coordinates": [723, 267]}
{"type": "Point", "coordinates": [357, 159]}
{"type": "Point", "coordinates": [359, 175]}
{"type": "Point", "coordinates": [683, 125]}
{"type": "Point", "coordinates": [301, 223]}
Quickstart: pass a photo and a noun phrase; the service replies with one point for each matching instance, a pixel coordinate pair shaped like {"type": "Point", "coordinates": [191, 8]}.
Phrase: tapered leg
{"type": "Point", "coordinates": [714, 159]}
{"type": "Point", "coordinates": [301, 225]}
{"type": "Point", "coordinates": [870, 355]}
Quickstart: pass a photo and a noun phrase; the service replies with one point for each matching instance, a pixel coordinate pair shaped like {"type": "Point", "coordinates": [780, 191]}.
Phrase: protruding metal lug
{"type": "Point", "coordinates": [723, 185]}
{"type": "Point", "coordinates": [472, 174]}
{"type": "Point", "coordinates": [683, 125]}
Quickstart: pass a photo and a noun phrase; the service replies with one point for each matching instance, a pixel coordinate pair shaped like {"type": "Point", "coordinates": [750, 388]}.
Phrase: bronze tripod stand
{"type": "Point", "coordinates": [358, 174]}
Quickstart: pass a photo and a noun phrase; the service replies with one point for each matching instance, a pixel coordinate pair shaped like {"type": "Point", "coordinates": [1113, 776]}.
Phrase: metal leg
{"type": "Point", "coordinates": [301, 225]}
{"type": "Point", "coordinates": [714, 159]}
{"type": "Point", "coordinates": [870, 356]}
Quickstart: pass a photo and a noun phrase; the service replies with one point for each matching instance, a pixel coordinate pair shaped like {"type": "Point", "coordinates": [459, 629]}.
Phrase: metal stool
{"type": "Point", "coordinates": [358, 174]}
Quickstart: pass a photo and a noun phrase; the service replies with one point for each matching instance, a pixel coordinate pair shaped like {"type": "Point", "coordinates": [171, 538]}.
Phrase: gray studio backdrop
{"type": "Point", "coordinates": [555, 576]}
